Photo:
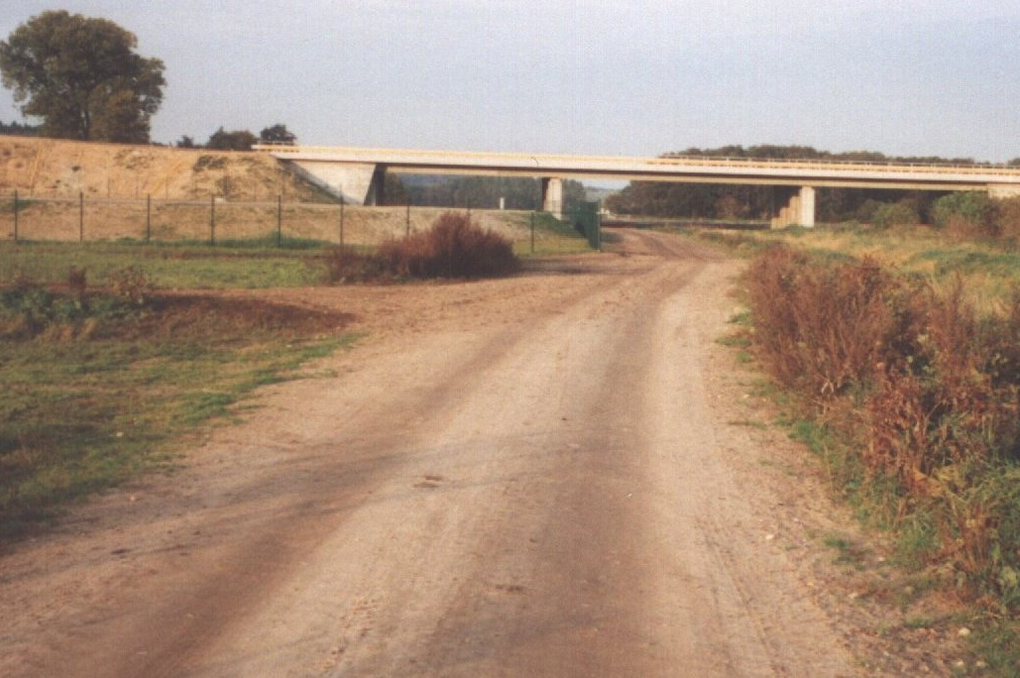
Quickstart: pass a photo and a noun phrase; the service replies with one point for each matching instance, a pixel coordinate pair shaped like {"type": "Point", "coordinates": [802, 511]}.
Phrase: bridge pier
{"type": "Point", "coordinates": [794, 207]}
{"type": "Point", "coordinates": [552, 196]}
{"type": "Point", "coordinates": [1004, 190]}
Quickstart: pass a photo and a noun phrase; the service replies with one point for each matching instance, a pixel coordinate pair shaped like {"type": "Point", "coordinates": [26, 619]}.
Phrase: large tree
{"type": "Point", "coordinates": [82, 77]}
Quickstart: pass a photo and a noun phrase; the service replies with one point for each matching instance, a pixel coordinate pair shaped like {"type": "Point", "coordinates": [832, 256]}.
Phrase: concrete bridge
{"type": "Point", "coordinates": [356, 174]}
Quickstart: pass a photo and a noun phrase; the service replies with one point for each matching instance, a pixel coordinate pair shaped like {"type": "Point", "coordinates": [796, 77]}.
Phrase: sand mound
{"type": "Point", "coordinates": [57, 168]}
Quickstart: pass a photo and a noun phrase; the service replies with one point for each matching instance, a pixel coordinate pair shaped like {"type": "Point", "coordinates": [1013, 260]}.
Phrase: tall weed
{"type": "Point", "coordinates": [927, 388]}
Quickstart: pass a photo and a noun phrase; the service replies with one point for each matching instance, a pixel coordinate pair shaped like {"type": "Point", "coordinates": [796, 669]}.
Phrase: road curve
{"type": "Point", "coordinates": [532, 488]}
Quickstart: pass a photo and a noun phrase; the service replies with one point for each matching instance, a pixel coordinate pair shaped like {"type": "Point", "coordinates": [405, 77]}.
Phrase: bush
{"type": "Point", "coordinates": [934, 389]}
{"type": "Point", "coordinates": [1008, 218]}
{"type": "Point", "coordinates": [345, 264]}
{"type": "Point", "coordinates": [895, 214]}
{"type": "Point", "coordinates": [966, 214]}
{"type": "Point", "coordinates": [823, 328]}
{"type": "Point", "coordinates": [455, 247]}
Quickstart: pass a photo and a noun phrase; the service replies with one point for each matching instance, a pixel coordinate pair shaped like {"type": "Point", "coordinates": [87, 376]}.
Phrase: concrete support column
{"type": "Point", "coordinates": [552, 196]}
{"type": "Point", "coordinates": [806, 203]}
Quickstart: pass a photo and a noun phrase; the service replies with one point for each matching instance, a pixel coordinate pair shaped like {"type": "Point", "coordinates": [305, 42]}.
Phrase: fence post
{"type": "Point", "coordinates": [15, 215]}
{"type": "Point", "coordinates": [532, 232]}
{"type": "Point", "coordinates": [148, 217]}
{"type": "Point", "coordinates": [81, 217]}
{"type": "Point", "coordinates": [279, 219]}
{"type": "Point", "coordinates": [212, 219]}
{"type": "Point", "coordinates": [342, 202]}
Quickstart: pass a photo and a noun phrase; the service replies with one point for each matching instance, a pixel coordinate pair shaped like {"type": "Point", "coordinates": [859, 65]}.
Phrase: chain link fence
{"type": "Point", "coordinates": [218, 221]}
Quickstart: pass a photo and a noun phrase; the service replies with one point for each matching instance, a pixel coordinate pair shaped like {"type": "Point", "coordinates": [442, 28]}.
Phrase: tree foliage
{"type": "Point", "coordinates": [82, 76]}
{"type": "Point", "coordinates": [277, 134]}
{"type": "Point", "coordinates": [238, 140]}
{"type": "Point", "coordinates": [17, 129]}
{"type": "Point", "coordinates": [723, 201]}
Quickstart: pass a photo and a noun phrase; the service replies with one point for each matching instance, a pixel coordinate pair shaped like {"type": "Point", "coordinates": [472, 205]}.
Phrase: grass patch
{"type": "Point", "coordinates": [84, 410]}
{"type": "Point", "coordinates": [248, 264]}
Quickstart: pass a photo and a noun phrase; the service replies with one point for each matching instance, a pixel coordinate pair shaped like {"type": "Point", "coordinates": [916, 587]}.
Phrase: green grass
{"type": "Point", "coordinates": [82, 411]}
{"type": "Point", "coordinates": [252, 264]}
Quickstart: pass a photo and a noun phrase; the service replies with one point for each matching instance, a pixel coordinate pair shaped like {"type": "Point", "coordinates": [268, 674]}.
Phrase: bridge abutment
{"type": "Point", "coordinates": [795, 207]}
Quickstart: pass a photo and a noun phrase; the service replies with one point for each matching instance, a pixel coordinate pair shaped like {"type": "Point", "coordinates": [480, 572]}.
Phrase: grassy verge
{"type": "Point", "coordinates": [897, 354]}
{"type": "Point", "coordinates": [99, 385]}
{"type": "Point", "coordinates": [251, 264]}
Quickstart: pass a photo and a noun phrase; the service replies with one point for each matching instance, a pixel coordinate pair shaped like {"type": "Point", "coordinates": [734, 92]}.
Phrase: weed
{"type": "Point", "coordinates": [737, 340]}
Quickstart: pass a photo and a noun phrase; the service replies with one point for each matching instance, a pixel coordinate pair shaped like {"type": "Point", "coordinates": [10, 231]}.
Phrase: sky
{"type": "Point", "coordinates": [595, 77]}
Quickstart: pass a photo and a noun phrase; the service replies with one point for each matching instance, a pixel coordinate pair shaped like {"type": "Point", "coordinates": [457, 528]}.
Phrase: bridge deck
{"type": "Point", "coordinates": [833, 173]}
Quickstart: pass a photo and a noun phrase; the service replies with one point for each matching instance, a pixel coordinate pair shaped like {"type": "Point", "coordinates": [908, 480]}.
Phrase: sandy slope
{"type": "Point", "coordinates": [529, 477]}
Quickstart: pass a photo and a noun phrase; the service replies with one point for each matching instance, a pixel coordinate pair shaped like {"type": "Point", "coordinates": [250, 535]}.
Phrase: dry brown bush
{"type": "Point", "coordinates": [939, 388]}
{"type": "Point", "coordinates": [822, 328]}
{"type": "Point", "coordinates": [455, 247]}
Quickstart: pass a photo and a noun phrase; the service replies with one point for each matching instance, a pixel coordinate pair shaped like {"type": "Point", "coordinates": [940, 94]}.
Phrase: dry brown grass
{"type": "Point", "coordinates": [928, 388]}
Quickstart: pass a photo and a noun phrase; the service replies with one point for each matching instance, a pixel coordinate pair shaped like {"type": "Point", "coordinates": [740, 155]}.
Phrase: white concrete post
{"type": "Point", "coordinates": [805, 215]}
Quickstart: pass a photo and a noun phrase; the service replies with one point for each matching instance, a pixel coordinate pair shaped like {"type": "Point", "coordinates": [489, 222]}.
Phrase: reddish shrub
{"type": "Point", "coordinates": [822, 328]}
{"type": "Point", "coordinates": [455, 247]}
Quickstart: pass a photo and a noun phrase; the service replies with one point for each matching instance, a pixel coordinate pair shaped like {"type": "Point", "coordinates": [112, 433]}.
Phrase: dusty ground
{"type": "Point", "coordinates": [559, 474]}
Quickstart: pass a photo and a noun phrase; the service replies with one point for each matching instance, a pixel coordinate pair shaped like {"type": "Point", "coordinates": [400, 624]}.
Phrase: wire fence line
{"type": "Point", "coordinates": [216, 221]}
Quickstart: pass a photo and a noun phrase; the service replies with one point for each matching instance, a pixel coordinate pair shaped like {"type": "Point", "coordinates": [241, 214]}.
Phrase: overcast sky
{"type": "Point", "coordinates": [623, 77]}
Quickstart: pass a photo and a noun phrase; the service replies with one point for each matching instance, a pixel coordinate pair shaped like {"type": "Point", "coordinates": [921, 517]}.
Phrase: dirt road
{"type": "Point", "coordinates": [528, 477]}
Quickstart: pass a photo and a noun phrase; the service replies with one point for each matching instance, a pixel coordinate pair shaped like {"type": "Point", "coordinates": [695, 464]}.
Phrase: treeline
{"type": "Point", "coordinates": [242, 139]}
{"type": "Point", "coordinates": [518, 193]}
{"type": "Point", "coordinates": [723, 201]}
{"type": "Point", "coordinates": [17, 129]}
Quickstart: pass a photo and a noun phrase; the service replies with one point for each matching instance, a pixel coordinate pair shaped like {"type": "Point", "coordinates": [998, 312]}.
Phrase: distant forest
{"type": "Point", "coordinates": [18, 129]}
{"type": "Point", "coordinates": [738, 202]}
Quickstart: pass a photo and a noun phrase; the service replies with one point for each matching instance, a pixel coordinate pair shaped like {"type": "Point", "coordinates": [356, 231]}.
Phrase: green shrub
{"type": "Point", "coordinates": [968, 213]}
{"type": "Point", "coordinates": [895, 214]}
{"type": "Point", "coordinates": [1008, 217]}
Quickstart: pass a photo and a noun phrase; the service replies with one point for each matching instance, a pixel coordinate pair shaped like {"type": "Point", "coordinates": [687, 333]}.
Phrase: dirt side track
{"type": "Point", "coordinates": [528, 477]}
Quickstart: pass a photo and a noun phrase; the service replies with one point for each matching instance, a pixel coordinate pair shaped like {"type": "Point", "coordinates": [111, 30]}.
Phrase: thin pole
{"type": "Point", "coordinates": [212, 219]}
{"type": "Point", "coordinates": [532, 232]}
{"type": "Point", "coordinates": [148, 217]}
{"type": "Point", "coordinates": [81, 217]}
{"type": "Point", "coordinates": [408, 221]}
{"type": "Point", "coordinates": [279, 219]}
{"type": "Point", "coordinates": [342, 202]}
{"type": "Point", "coordinates": [15, 215]}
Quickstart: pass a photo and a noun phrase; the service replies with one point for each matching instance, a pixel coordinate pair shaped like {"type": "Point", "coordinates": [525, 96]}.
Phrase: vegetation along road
{"type": "Point", "coordinates": [554, 474]}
